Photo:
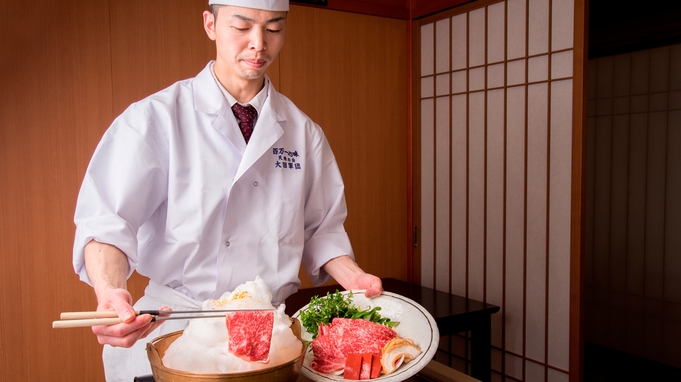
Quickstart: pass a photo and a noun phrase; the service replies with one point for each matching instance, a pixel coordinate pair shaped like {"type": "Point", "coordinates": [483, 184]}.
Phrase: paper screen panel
{"type": "Point", "coordinates": [459, 192]}
{"type": "Point", "coordinates": [427, 87]}
{"type": "Point", "coordinates": [495, 76]}
{"type": "Point", "coordinates": [476, 37]}
{"type": "Point", "coordinates": [675, 67]}
{"type": "Point", "coordinates": [442, 84]}
{"type": "Point", "coordinates": [556, 376]}
{"type": "Point", "coordinates": [637, 191]}
{"type": "Point", "coordinates": [603, 142]}
{"type": "Point", "coordinates": [537, 164]}
{"type": "Point", "coordinates": [534, 371]}
{"type": "Point", "coordinates": [476, 79]}
{"type": "Point", "coordinates": [538, 68]}
{"type": "Point", "coordinates": [496, 37]}
{"type": "Point", "coordinates": [560, 163]}
{"type": "Point", "coordinates": [618, 202]}
{"type": "Point", "coordinates": [476, 194]}
{"type": "Point", "coordinates": [459, 38]}
{"type": "Point", "coordinates": [538, 30]}
{"type": "Point", "coordinates": [442, 46]}
{"type": "Point", "coordinates": [427, 49]}
{"type": "Point", "coordinates": [659, 71]}
{"type": "Point", "coordinates": [514, 366]}
{"type": "Point", "coordinates": [672, 264]}
{"type": "Point", "coordinates": [515, 213]}
{"type": "Point", "coordinates": [516, 41]}
{"type": "Point", "coordinates": [459, 81]}
{"type": "Point", "coordinates": [621, 68]}
{"type": "Point", "coordinates": [442, 192]}
{"type": "Point", "coordinates": [495, 197]}
{"type": "Point", "coordinates": [562, 24]}
{"type": "Point", "coordinates": [427, 239]}
{"type": "Point", "coordinates": [655, 204]}
{"type": "Point", "coordinates": [640, 73]}
{"type": "Point", "coordinates": [561, 65]}
{"type": "Point", "coordinates": [515, 72]}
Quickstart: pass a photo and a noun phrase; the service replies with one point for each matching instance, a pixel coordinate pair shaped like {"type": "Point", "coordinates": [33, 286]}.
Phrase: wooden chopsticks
{"type": "Point", "coordinates": [85, 319]}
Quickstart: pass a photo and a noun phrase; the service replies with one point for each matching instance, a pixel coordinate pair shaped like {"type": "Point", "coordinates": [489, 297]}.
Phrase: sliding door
{"type": "Point", "coordinates": [499, 121]}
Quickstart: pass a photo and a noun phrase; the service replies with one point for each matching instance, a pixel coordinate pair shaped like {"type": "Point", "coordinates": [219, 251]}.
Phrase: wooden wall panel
{"type": "Point", "coordinates": [174, 47]}
{"type": "Point", "coordinates": [347, 72]}
{"type": "Point", "coordinates": [56, 90]}
{"type": "Point", "coordinates": [70, 67]}
{"type": "Point", "coordinates": [421, 8]}
{"type": "Point", "coordinates": [397, 9]}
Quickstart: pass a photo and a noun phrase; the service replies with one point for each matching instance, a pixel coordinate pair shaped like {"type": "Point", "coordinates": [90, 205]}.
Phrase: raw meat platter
{"type": "Point", "coordinates": [414, 322]}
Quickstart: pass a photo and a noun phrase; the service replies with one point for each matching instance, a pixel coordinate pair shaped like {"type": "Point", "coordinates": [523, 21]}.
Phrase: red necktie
{"type": "Point", "coordinates": [246, 117]}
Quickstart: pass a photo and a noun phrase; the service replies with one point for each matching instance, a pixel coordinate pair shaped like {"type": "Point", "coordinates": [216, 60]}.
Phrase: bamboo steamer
{"type": "Point", "coordinates": [286, 372]}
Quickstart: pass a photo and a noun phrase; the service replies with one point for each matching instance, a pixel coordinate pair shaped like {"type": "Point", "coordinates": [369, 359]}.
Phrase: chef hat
{"type": "Point", "coordinates": [267, 5]}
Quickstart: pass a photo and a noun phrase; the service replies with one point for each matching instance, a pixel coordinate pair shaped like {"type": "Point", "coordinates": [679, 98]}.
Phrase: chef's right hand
{"type": "Point", "coordinates": [131, 329]}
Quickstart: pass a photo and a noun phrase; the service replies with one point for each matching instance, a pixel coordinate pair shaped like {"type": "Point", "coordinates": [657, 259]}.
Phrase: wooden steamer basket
{"type": "Point", "coordinates": [286, 372]}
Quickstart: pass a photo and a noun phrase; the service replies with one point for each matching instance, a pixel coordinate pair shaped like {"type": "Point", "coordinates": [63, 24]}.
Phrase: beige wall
{"type": "Point", "coordinates": [633, 204]}
{"type": "Point", "coordinates": [69, 67]}
{"type": "Point", "coordinates": [499, 88]}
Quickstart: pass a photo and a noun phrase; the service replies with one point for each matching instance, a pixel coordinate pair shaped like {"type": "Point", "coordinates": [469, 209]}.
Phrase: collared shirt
{"type": "Point", "coordinates": [257, 102]}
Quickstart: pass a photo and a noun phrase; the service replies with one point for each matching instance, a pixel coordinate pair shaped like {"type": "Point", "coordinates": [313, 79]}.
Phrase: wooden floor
{"type": "Point", "coordinates": [603, 364]}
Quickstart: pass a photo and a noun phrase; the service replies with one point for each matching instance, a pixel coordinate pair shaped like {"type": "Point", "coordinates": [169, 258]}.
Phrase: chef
{"type": "Point", "coordinates": [206, 185]}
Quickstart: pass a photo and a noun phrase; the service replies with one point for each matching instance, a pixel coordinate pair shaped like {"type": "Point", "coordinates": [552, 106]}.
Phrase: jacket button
{"type": "Point", "coordinates": [227, 244]}
{"type": "Point", "coordinates": [255, 184]}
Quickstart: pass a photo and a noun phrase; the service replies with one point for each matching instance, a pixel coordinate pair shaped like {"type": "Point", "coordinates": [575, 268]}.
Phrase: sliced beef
{"type": "Point", "coordinates": [250, 334]}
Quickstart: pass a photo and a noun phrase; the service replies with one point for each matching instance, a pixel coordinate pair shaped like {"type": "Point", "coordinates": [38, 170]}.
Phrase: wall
{"type": "Point", "coordinates": [633, 204]}
{"type": "Point", "coordinates": [69, 67]}
{"type": "Point", "coordinates": [356, 67]}
{"type": "Point", "coordinates": [498, 92]}
{"type": "Point", "coordinates": [398, 9]}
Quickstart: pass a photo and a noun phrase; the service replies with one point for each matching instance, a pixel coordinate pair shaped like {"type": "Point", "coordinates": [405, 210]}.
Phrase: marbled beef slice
{"type": "Point", "coordinates": [347, 336]}
{"type": "Point", "coordinates": [250, 334]}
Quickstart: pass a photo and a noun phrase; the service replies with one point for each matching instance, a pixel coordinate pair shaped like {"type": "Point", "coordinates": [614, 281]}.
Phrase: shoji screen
{"type": "Point", "coordinates": [495, 110]}
{"type": "Point", "coordinates": [633, 214]}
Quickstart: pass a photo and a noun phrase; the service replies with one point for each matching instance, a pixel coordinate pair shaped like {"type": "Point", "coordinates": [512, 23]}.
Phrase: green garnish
{"type": "Point", "coordinates": [322, 310]}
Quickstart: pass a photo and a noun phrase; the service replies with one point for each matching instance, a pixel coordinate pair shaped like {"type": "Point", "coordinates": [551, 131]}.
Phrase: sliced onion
{"type": "Point", "coordinates": [398, 362]}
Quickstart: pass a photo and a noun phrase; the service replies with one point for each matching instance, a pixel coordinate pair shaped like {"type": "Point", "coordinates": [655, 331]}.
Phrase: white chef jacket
{"type": "Point", "coordinates": [175, 187]}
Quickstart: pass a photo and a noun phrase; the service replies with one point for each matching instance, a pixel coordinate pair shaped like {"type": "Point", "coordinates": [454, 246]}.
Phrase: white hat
{"type": "Point", "coordinates": [267, 5]}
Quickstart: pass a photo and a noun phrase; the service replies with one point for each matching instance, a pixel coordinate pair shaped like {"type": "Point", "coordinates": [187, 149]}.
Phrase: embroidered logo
{"type": "Point", "coordinates": [285, 159]}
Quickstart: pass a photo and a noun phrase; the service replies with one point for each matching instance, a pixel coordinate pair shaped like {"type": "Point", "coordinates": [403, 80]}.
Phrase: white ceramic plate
{"type": "Point", "coordinates": [414, 322]}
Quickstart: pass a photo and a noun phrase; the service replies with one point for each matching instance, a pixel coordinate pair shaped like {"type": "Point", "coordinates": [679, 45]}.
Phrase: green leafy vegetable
{"type": "Point", "coordinates": [322, 310]}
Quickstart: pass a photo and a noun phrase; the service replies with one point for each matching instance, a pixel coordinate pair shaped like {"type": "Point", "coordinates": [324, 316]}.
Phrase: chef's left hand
{"type": "Point", "coordinates": [351, 277]}
{"type": "Point", "coordinates": [372, 284]}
